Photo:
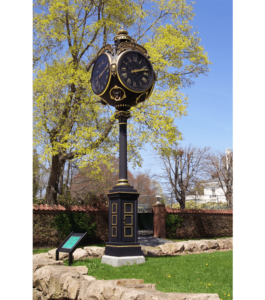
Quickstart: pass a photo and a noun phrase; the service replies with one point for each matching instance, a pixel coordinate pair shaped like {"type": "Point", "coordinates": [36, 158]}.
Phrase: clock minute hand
{"type": "Point", "coordinates": [139, 70]}
{"type": "Point", "coordinates": [103, 71]}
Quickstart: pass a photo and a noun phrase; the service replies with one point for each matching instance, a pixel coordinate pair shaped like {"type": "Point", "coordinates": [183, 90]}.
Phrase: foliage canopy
{"type": "Point", "coordinates": [69, 121]}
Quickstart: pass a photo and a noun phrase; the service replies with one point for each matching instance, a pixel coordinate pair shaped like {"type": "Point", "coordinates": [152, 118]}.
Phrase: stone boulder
{"type": "Point", "coordinates": [37, 295]}
{"type": "Point", "coordinates": [89, 278]}
{"type": "Point", "coordinates": [80, 253]}
{"type": "Point", "coordinates": [41, 256]}
{"type": "Point", "coordinates": [61, 282]}
{"type": "Point", "coordinates": [95, 252]}
{"type": "Point", "coordinates": [81, 269]}
{"type": "Point", "coordinates": [191, 296]}
{"type": "Point", "coordinates": [111, 290]}
{"type": "Point", "coordinates": [225, 243]}
{"type": "Point", "coordinates": [62, 255]}
{"type": "Point", "coordinates": [213, 244]}
{"type": "Point", "coordinates": [172, 248]}
{"type": "Point", "coordinates": [56, 282]}
{"type": "Point", "coordinates": [202, 245]}
{"type": "Point", "coordinates": [191, 246]}
{"type": "Point", "coordinates": [151, 251]}
{"type": "Point", "coordinates": [39, 263]}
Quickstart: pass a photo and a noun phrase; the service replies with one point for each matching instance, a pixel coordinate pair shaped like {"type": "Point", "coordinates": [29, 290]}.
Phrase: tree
{"type": "Point", "coordinates": [198, 188]}
{"type": "Point", "coordinates": [69, 121]}
{"type": "Point", "coordinates": [36, 173]}
{"type": "Point", "coordinates": [85, 182]}
{"type": "Point", "coordinates": [147, 186]}
{"type": "Point", "coordinates": [184, 168]}
{"type": "Point", "coordinates": [220, 167]}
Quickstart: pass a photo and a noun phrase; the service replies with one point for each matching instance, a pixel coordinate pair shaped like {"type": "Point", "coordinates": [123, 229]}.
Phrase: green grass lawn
{"type": "Point", "coordinates": [36, 251]}
{"type": "Point", "coordinates": [197, 273]}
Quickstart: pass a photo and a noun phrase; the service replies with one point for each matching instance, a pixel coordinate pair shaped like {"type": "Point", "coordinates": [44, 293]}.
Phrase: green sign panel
{"type": "Point", "coordinates": [71, 242]}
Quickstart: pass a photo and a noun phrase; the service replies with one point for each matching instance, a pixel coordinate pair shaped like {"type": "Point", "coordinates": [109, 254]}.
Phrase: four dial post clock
{"type": "Point", "coordinates": [123, 76]}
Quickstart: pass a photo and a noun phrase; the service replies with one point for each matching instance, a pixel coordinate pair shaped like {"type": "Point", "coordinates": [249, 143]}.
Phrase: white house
{"type": "Point", "coordinates": [212, 190]}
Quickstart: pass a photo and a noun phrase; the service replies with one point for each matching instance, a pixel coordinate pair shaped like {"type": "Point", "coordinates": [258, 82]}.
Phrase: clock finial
{"type": "Point", "coordinates": [122, 31]}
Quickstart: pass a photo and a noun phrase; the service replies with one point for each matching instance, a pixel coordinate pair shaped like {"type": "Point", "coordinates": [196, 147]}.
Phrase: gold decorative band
{"type": "Point", "coordinates": [123, 180]}
{"type": "Point", "coordinates": [123, 193]}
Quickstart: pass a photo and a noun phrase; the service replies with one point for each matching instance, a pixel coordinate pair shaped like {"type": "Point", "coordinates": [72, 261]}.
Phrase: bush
{"type": "Point", "coordinates": [38, 201]}
{"type": "Point", "coordinates": [65, 223]}
{"type": "Point", "coordinates": [172, 222]}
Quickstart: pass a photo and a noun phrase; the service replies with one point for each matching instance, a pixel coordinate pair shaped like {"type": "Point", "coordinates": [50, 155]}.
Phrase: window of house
{"type": "Point", "coordinates": [213, 192]}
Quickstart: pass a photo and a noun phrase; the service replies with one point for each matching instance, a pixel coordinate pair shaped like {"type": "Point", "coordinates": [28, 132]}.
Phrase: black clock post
{"type": "Point", "coordinates": [123, 77]}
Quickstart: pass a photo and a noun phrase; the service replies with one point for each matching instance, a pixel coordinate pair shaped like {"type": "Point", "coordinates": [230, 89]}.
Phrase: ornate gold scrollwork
{"type": "Point", "coordinates": [108, 47]}
{"type": "Point", "coordinates": [125, 114]}
{"type": "Point", "coordinates": [117, 93]}
{"type": "Point", "coordinates": [131, 45]}
{"type": "Point", "coordinates": [142, 97]}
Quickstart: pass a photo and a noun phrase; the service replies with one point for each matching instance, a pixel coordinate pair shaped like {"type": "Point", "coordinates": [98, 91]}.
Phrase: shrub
{"type": "Point", "coordinates": [78, 222]}
{"type": "Point", "coordinates": [172, 222]}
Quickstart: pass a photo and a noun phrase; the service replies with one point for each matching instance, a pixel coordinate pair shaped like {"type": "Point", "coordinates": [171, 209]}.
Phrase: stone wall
{"type": "Point", "coordinates": [198, 223]}
{"type": "Point", "coordinates": [202, 223]}
{"type": "Point", "coordinates": [45, 235]}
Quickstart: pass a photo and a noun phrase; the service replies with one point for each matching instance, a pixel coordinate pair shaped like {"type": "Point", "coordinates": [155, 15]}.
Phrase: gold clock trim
{"type": "Point", "coordinates": [146, 93]}
{"type": "Point", "coordinates": [123, 193]}
{"type": "Point", "coordinates": [151, 91]}
{"type": "Point", "coordinates": [109, 58]}
{"type": "Point", "coordinates": [104, 101]}
{"type": "Point", "coordinates": [124, 221]}
{"type": "Point", "coordinates": [112, 208]}
{"type": "Point", "coordinates": [128, 212]}
{"type": "Point", "coordinates": [118, 61]}
{"type": "Point", "coordinates": [112, 235]}
{"type": "Point", "coordinates": [112, 223]}
{"type": "Point", "coordinates": [117, 87]}
{"type": "Point", "coordinates": [125, 231]}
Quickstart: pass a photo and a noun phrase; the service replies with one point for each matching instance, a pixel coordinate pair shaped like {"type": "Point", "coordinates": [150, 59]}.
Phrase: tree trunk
{"type": "Point", "coordinates": [61, 177]}
{"type": "Point", "coordinates": [182, 200]}
{"type": "Point", "coordinates": [67, 178]}
{"type": "Point", "coordinates": [229, 198]}
{"type": "Point", "coordinates": [52, 188]}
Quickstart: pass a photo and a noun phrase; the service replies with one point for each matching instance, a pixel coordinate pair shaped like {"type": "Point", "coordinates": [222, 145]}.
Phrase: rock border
{"type": "Point", "coordinates": [53, 280]}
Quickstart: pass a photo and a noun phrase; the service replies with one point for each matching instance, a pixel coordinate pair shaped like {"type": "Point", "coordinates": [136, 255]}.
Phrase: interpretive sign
{"type": "Point", "coordinates": [70, 244]}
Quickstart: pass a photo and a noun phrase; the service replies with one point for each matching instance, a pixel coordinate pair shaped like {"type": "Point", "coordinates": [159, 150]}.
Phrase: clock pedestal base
{"type": "Point", "coordinates": [121, 261]}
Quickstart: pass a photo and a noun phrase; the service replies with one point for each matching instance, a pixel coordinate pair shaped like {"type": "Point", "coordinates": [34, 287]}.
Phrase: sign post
{"type": "Point", "coordinates": [70, 244]}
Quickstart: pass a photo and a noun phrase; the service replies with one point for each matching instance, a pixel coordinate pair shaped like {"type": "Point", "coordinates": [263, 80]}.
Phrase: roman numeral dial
{"type": "Point", "coordinates": [100, 75]}
{"type": "Point", "coordinates": [135, 71]}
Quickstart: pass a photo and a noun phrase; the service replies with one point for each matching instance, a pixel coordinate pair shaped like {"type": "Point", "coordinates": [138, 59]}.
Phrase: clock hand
{"type": "Point", "coordinates": [103, 71]}
{"type": "Point", "coordinates": [139, 70]}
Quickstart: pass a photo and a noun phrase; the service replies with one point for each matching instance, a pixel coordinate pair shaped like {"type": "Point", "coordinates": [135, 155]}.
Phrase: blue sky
{"type": "Point", "coordinates": [209, 121]}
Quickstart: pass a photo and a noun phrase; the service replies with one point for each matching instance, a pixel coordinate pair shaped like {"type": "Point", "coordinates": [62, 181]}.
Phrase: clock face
{"type": "Point", "coordinates": [135, 71]}
{"type": "Point", "coordinates": [100, 74]}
